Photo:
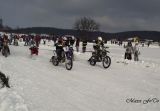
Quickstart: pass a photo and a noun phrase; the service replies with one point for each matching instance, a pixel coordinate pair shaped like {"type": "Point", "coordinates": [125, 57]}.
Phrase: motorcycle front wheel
{"type": "Point", "coordinates": [92, 61]}
{"type": "Point", "coordinates": [106, 62]}
{"type": "Point", "coordinates": [55, 61]}
{"type": "Point", "coordinates": [69, 64]}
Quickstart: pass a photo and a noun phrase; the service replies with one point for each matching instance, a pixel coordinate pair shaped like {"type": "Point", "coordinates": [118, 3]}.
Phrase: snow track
{"type": "Point", "coordinates": [11, 101]}
{"type": "Point", "coordinates": [45, 87]}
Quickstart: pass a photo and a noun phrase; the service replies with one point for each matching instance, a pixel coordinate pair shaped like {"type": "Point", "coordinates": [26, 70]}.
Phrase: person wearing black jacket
{"type": "Point", "coordinates": [77, 44]}
{"type": "Point", "coordinates": [98, 46]}
{"type": "Point", "coordinates": [59, 48]}
{"type": "Point", "coordinates": [84, 44]}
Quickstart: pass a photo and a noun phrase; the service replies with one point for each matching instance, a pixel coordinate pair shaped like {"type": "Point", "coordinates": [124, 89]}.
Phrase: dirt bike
{"type": "Point", "coordinates": [67, 58]}
{"type": "Point", "coordinates": [101, 57]}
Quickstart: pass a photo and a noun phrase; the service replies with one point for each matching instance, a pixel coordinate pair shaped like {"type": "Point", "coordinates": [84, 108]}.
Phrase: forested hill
{"type": "Point", "coordinates": [153, 35]}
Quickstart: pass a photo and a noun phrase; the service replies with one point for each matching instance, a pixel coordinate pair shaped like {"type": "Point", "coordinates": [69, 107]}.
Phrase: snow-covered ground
{"type": "Point", "coordinates": [37, 85]}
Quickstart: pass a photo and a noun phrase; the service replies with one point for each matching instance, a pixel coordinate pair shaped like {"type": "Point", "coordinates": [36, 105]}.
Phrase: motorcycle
{"type": "Point", "coordinates": [66, 57]}
{"type": "Point", "coordinates": [101, 57]}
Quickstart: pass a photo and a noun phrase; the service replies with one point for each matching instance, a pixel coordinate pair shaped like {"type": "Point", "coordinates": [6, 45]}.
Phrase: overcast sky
{"type": "Point", "coordinates": [112, 15]}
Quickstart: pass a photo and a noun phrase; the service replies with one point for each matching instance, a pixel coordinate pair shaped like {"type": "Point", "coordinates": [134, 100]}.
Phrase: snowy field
{"type": "Point", "coordinates": [37, 85]}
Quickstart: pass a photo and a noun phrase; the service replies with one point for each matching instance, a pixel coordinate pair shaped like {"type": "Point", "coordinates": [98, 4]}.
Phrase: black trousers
{"type": "Point", "coordinates": [128, 56]}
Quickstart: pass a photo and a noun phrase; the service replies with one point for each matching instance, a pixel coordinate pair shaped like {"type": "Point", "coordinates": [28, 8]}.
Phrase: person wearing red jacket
{"type": "Point", "coordinates": [5, 42]}
{"type": "Point", "coordinates": [37, 40]}
{"type": "Point", "coordinates": [34, 50]}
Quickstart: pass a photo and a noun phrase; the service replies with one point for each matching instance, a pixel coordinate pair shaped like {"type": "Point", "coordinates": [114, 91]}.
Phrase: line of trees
{"type": "Point", "coordinates": [85, 25]}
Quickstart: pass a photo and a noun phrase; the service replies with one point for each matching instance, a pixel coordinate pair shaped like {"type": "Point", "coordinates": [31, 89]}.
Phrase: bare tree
{"type": "Point", "coordinates": [86, 24]}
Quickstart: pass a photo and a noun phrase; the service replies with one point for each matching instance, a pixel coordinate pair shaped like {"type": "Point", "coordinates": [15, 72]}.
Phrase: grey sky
{"type": "Point", "coordinates": [112, 15]}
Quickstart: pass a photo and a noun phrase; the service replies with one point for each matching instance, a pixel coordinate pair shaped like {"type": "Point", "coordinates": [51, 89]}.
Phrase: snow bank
{"type": "Point", "coordinates": [11, 101]}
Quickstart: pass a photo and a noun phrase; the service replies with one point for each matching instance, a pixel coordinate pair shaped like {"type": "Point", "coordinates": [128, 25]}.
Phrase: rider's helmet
{"type": "Point", "coordinates": [99, 38]}
{"type": "Point", "coordinates": [73, 37]}
{"type": "Point", "coordinates": [64, 38]}
{"type": "Point", "coordinates": [136, 43]}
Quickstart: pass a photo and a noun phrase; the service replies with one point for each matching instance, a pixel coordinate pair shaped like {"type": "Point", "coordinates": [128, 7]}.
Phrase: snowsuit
{"type": "Point", "coordinates": [136, 52]}
{"type": "Point", "coordinates": [128, 53]}
{"type": "Point", "coordinates": [34, 50]}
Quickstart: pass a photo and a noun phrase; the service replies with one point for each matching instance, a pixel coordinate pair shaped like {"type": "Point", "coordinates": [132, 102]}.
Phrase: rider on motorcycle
{"type": "Point", "coordinates": [59, 48]}
{"type": "Point", "coordinates": [68, 46]}
{"type": "Point", "coordinates": [98, 46]}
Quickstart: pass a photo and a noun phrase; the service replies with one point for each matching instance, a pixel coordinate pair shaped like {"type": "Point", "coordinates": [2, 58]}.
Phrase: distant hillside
{"type": "Point", "coordinates": [153, 35]}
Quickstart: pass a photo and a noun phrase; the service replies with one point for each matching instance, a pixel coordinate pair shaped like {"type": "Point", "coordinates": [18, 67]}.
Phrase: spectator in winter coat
{"type": "Point", "coordinates": [5, 42]}
{"type": "Point", "coordinates": [149, 43]}
{"type": "Point", "coordinates": [26, 40]}
{"type": "Point", "coordinates": [72, 40]}
{"type": "Point", "coordinates": [10, 39]}
{"type": "Point", "coordinates": [32, 42]}
{"type": "Point", "coordinates": [136, 52]}
{"type": "Point", "coordinates": [77, 44]}
{"type": "Point", "coordinates": [37, 40]}
{"type": "Point", "coordinates": [84, 44]}
{"type": "Point", "coordinates": [44, 41]}
{"type": "Point", "coordinates": [129, 50]}
{"type": "Point", "coordinates": [15, 42]}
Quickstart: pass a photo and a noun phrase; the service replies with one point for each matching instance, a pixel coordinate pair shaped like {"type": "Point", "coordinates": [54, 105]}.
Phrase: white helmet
{"type": "Point", "coordinates": [136, 43]}
{"type": "Point", "coordinates": [73, 38]}
{"type": "Point", "coordinates": [100, 38]}
{"type": "Point", "coordinates": [64, 38]}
